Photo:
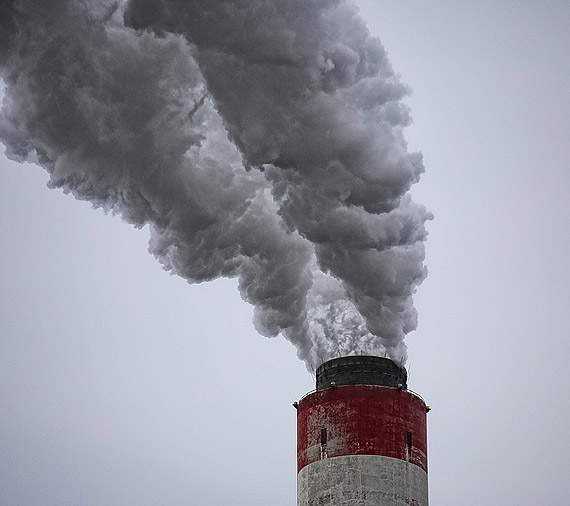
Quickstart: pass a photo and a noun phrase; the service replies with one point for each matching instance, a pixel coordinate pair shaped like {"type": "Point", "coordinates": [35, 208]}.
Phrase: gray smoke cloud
{"type": "Point", "coordinates": [258, 139]}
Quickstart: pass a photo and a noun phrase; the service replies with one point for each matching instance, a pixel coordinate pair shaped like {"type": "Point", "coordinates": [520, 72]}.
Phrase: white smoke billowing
{"type": "Point", "coordinates": [259, 139]}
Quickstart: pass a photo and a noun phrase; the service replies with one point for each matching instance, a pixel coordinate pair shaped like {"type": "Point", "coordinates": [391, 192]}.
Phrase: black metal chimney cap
{"type": "Point", "coordinates": [361, 370]}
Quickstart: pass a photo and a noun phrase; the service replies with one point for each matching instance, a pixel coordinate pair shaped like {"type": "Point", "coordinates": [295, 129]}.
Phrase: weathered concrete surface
{"type": "Point", "coordinates": [362, 480]}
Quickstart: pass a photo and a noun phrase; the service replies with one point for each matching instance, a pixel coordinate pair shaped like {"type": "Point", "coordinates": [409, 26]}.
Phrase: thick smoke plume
{"type": "Point", "coordinates": [259, 139]}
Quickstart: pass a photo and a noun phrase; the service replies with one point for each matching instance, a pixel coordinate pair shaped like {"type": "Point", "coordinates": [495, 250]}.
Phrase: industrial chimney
{"type": "Point", "coordinates": [361, 437]}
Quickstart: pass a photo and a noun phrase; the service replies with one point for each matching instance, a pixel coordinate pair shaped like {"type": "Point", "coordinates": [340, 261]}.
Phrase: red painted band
{"type": "Point", "coordinates": [362, 420]}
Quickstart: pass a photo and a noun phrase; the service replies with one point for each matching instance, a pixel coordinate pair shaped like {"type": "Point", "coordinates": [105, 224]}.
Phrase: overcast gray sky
{"type": "Point", "coordinates": [122, 385]}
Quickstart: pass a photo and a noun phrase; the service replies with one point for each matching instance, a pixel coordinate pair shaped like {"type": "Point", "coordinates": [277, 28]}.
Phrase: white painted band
{"type": "Point", "coordinates": [366, 480]}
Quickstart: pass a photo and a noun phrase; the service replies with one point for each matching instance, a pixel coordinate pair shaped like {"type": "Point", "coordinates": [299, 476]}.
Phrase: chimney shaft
{"type": "Point", "coordinates": [361, 437]}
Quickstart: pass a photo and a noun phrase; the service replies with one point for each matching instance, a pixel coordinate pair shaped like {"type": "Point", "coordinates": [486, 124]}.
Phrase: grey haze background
{"type": "Point", "coordinates": [104, 399]}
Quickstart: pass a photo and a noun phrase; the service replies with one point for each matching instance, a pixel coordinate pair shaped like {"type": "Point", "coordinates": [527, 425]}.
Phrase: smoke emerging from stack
{"type": "Point", "coordinates": [258, 139]}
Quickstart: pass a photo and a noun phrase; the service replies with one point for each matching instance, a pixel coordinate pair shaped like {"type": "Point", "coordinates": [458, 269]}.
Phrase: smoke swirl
{"type": "Point", "coordinates": [260, 140]}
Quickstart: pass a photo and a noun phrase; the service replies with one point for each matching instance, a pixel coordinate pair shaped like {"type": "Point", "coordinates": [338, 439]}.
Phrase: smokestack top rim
{"type": "Point", "coordinates": [361, 370]}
